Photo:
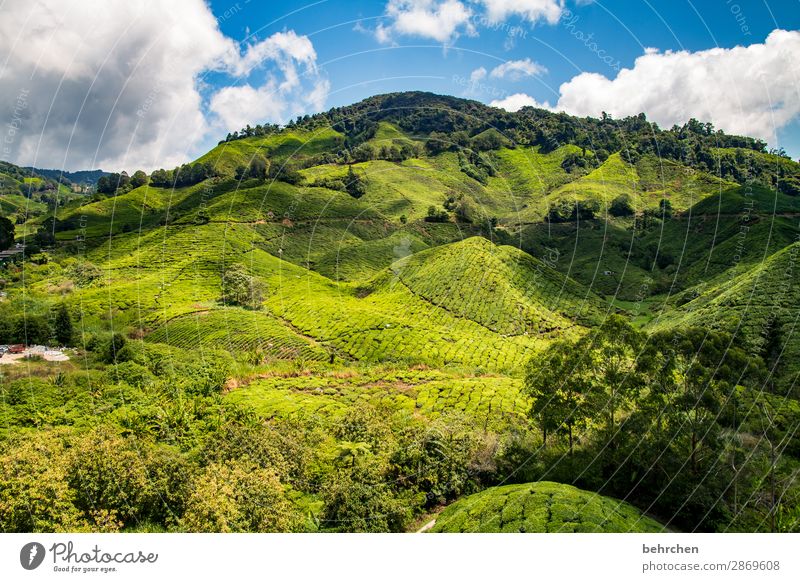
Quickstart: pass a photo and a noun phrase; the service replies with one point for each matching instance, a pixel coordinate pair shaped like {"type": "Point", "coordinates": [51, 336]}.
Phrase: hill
{"type": "Point", "coordinates": [542, 507]}
{"type": "Point", "coordinates": [500, 287]}
{"type": "Point", "coordinates": [348, 316]}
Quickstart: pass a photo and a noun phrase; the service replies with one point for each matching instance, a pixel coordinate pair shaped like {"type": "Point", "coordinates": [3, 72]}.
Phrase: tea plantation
{"type": "Point", "coordinates": [413, 306]}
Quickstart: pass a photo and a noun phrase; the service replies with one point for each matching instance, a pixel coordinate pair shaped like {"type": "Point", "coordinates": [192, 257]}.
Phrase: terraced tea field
{"type": "Point", "coordinates": [490, 401]}
{"type": "Point", "coordinates": [237, 331]}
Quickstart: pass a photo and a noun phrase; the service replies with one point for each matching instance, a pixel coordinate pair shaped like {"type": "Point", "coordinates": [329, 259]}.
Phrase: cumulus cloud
{"type": "Point", "coordinates": [120, 85]}
{"type": "Point", "coordinates": [753, 90]}
{"type": "Point", "coordinates": [477, 75]}
{"type": "Point", "coordinates": [439, 20]}
{"type": "Point", "coordinates": [517, 101]}
{"type": "Point", "coordinates": [531, 10]}
{"type": "Point", "coordinates": [516, 70]}
{"type": "Point", "coordinates": [280, 96]}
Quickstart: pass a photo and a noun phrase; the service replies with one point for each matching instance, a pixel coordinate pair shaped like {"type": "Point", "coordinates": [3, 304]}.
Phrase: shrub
{"type": "Point", "coordinates": [238, 497]}
{"type": "Point", "coordinates": [621, 206]}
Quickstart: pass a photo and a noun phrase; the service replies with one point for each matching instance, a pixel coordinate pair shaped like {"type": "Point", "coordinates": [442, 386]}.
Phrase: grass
{"type": "Point", "coordinates": [143, 207]}
{"type": "Point", "coordinates": [542, 507]}
{"type": "Point", "coordinates": [18, 204]}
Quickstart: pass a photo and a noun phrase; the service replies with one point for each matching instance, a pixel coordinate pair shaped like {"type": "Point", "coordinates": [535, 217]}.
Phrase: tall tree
{"type": "Point", "coordinates": [62, 326]}
{"type": "Point", "coordinates": [560, 393]}
{"type": "Point", "coordinates": [6, 233]}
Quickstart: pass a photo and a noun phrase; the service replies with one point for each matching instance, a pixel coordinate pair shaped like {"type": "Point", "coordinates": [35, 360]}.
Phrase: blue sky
{"type": "Point", "coordinates": [164, 86]}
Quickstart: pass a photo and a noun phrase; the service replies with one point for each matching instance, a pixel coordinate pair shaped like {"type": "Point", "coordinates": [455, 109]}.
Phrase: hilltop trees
{"type": "Point", "coordinates": [139, 178]}
{"type": "Point", "coordinates": [112, 183]}
{"type": "Point", "coordinates": [185, 175]}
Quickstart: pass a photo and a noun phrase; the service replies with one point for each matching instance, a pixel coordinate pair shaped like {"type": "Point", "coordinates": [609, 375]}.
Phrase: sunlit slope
{"type": "Point", "coordinates": [542, 507]}
{"type": "Point", "coordinates": [385, 321]}
{"type": "Point", "coordinates": [759, 306]}
{"type": "Point", "coordinates": [141, 208]}
{"type": "Point", "coordinates": [167, 283]}
{"type": "Point", "coordinates": [238, 331]}
{"type": "Point", "coordinates": [286, 146]}
{"type": "Point", "coordinates": [645, 183]}
{"type": "Point", "coordinates": [493, 401]}
{"type": "Point", "coordinates": [500, 287]}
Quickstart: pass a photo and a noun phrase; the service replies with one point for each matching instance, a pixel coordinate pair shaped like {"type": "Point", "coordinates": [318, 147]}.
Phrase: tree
{"type": "Point", "coordinates": [114, 346]}
{"type": "Point", "coordinates": [239, 288]}
{"type": "Point", "coordinates": [6, 233]}
{"type": "Point", "coordinates": [62, 326]}
{"type": "Point", "coordinates": [677, 447]}
{"type": "Point", "coordinates": [161, 178]}
{"type": "Point", "coordinates": [139, 178]}
{"type": "Point", "coordinates": [358, 499]}
{"type": "Point", "coordinates": [355, 184]}
{"type": "Point", "coordinates": [613, 373]}
{"type": "Point", "coordinates": [435, 215]}
{"type": "Point", "coordinates": [34, 494]}
{"type": "Point", "coordinates": [258, 168]}
{"type": "Point", "coordinates": [665, 206]}
{"type": "Point", "coordinates": [561, 399]}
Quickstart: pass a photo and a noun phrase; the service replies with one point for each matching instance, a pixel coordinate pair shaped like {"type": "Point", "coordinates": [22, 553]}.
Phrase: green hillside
{"type": "Point", "coordinates": [290, 145]}
{"type": "Point", "coordinates": [502, 288]}
{"type": "Point", "coordinates": [409, 303]}
{"type": "Point", "coordinates": [758, 306]}
{"type": "Point", "coordinates": [542, 507]}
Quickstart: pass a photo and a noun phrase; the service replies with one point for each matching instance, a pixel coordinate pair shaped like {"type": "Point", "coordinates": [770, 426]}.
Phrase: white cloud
{"type": "Point", "coordinates": [119, 85]}
{"type": "Point", "coordinates": [439, 20]}
{"type": "Point", "coordinates": [516, 70]}
{"type": "Point", "coordinates": [517, 101]}
{"type": "Point", "coordinates": [753, 90]}
{"type": "Point", "coordinates": [532, 10]}
{"type": "Point", "coordinates": [275, 99]}
{"type": "Point", "coordinates": [477, 75]}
